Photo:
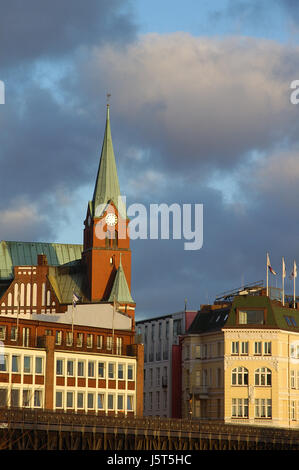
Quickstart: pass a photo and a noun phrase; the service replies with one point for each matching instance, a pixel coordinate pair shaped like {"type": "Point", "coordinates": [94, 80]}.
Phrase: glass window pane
{"type": "Point", "coordinates": [38, 365]}
{"type": "Point", "coordinates": [100, 401]}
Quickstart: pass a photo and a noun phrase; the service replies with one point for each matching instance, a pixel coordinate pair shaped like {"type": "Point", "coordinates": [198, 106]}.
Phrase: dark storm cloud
{"type": "Point", "coordinates": [33, 29]}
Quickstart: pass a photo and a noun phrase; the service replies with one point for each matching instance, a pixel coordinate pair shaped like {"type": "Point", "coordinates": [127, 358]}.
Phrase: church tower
{"type": "Point", "coordinates": [106, 246]}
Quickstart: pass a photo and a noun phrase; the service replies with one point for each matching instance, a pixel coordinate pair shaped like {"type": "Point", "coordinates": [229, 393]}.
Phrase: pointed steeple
{"type": "Point", "coordinates": [107, 185]}
{"type": "Point", "coordinates": [120, 291]}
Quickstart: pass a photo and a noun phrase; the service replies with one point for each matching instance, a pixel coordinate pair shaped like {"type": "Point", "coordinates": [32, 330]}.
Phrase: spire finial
{"type": "Point", "coordinates": [108, 98]}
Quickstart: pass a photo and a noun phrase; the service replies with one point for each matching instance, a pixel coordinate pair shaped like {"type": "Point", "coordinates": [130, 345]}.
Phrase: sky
{"type": "Point", "coordinates": [200, 113]}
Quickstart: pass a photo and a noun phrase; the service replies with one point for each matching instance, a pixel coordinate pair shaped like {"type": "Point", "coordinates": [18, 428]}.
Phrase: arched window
{"type": "Point", "coordinates": [240, 376]}
{"type": "Point", "coordinates": [263, 376]}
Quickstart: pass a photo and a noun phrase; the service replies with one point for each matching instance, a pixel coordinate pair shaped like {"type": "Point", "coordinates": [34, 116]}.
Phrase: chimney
{"type": "Point", "coordinates": [42, 260]}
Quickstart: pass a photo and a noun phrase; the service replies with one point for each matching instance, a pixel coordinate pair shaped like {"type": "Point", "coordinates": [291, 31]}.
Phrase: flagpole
{"type": "Point", "coordinates": [267, 277]}
{"type": "Point", "coordinates": [283, 275]}
{"type": "Point", "coordinates": [113, 325]}
{"type": "Point", "coordinates": [294, 284]}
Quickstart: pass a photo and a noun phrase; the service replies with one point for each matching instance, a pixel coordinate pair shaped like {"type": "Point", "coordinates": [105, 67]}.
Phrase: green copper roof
{"type": "Point", "coordinates": [25, 254]}
{"type": "Point", "coordinates": [68, 279]}
{"type": "Point", "coordinates": [120, 291]}
{"type": "Point", "coordinates": [107, 185]}
{"type": "Point", "coordinates": [277, 316]}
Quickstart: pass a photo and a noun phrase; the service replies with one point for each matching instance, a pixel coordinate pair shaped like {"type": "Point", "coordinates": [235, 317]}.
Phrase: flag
{"type": "Point", "coordinates": [283, 269]}
{"type": "Point", "coordinates": [269, 266]}
{"type": "Point", "coordinates": [75, 299]}
{"type": "Point", "coordinates": [294, 272]}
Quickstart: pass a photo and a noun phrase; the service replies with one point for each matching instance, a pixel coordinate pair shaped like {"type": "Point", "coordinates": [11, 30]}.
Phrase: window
{"type": "Point", "coordinates": [120, 373]}
{"type": "Point", "coordinates": [89, 340]}
{"type": "Point", "coordinates": [120, 402]}
{"type": "Point", "coordinates": [2, 332]}
{"type": "Point", "coordinates": [293, 411]}
{"type": "Point", "coordinates": [70, 368]}
{"type": "Point", "coordinates": [26, 336]}
{"type": "Point", "coordinates": [292, 379]}
{"type": "Point", "coordinates": [263, 408]}
{"type": "Point", "coordinates": [91, 369]}
{"type": "Point", "coordinates": [130, 402]}
{"type": "Point", "coordinates": [27, 365]}
{"type": "Point", "coordinates": [157, 376]}
{"type": "Point", "coordinates": [291, 321]}
{"type": "Point", "coordinates": [69, 338]}
{"type": "Point", "coordinates": [15, 364]}
{"type": "Point", "coordinates": [177, 327]}
{"type": "Point", "coordinates": [37, 398]}
{"type": "Point", "coordinates": [79, 340]}
{"type": "Point", "coordinates": [58, 337]}
{"type": "Point", "coordinates": [15, 397]}
{"type": "Point", "coordinates": [59, 402]}
{"type": "Point", "coordinates": [197, 378]}
{"type": "Point", "coordinates": [251, 317]}
{"type": "Point", "coordinates": [101, 401]}
{"type": "Point", "coordinates": [99, 341]}
{"type": "Point", "coordinates": [239, 376]}
{"type": "Point", "coordinates": [59, 366]}
{"type": "Point", "coordinates": [26, 398]}
{"type": "Point", "coordinates": [131, 372]}
{"type": "Point", "coordinates": [235, 347]}
{"type": "Point", "coordinates": [70, 399]}
{"type": "Point", "coordinates": [101, 370]}
{"type": "Point", "coordinates": [262, 376]}
{"type": "Point", "coordinates": [110, 402]}
{"type": "Point", "coordinates": [111, 370]}
{"type": "Point", "coordinates": [13, 333]}
{"type": "Point", "coordinates": [119, 344]}
{"type": "Point", "coordinates": [244, 347]}
{"type": "Point", "coordinates": [240, 407]}
{"type": "Point", "coordinates": [197, 352]}
{"type": "Point", "coordinates": [109, 343]}
{"type": "Point", "coordinates": [48, 332]}
{"type": "Point", "coordinates": [80, 368]}
{"type": "Point", "coordinates": [3, 397]}
{"type": "Point", "coordinates": [158, 400]}
{"type": "Point", "coordinates": [258, 347]}
{"type": "Point", "coordinates": [80, 400]}
{"type": "Point", "coordinates": [268, 348]}
{"type": "Point", "coordinates": [38, 365]}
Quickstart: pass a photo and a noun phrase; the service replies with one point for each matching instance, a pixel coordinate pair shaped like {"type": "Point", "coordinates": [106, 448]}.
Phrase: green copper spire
{"type": "Point", "coordinates": [120, 291]}
{"type": "Point", "coordinates": [107, 185]}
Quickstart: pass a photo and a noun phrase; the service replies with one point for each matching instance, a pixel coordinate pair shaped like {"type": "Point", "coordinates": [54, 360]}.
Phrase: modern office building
{"type": "Point", "coordinates": [162, 371]}
{"type": "Point", "coordinates": [67, 317]}
{"type": "Point", "coordinates": [240, 361]}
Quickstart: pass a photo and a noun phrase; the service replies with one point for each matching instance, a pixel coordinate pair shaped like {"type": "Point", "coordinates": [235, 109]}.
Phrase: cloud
{"type": "Point", "coordinates": [42, 29]}
{"type": "Point", "coordinates": [21, 221]}
{"type": "Point", "coordinates": [198, 102]}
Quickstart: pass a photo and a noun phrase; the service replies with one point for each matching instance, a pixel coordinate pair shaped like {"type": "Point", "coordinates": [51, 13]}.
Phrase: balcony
{"type": "Point", "coordinates": [201, 391]}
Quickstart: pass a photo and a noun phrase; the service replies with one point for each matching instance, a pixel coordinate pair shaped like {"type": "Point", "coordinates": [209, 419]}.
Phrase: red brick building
{"type": "Point", "coordinates": [67, 326]}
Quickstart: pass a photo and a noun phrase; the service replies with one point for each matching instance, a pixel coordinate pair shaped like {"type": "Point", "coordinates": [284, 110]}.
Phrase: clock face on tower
{"type": "Point", "coordinates": [111, 219]}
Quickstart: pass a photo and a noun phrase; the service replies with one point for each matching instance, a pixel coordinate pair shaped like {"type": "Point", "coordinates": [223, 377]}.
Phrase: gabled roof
{"type": "Point", "coordinates": [68, 279]}
{"type": "Point", "coordinates": [120, 291]}
{"type": "Point", "coordinates": [277, 316]}
{"type": "Point", "coordinates": [25, 254]}
{"type": "Point", "coordinates": [107, 186]}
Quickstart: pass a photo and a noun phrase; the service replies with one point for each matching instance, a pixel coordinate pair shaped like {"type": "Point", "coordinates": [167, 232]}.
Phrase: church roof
{"type": "Point", "coordinates": [107, 185]}
{"type": "Point", "coordinates": [120, 291]}
{"type": "Point", "coordinates": [14, 253]}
